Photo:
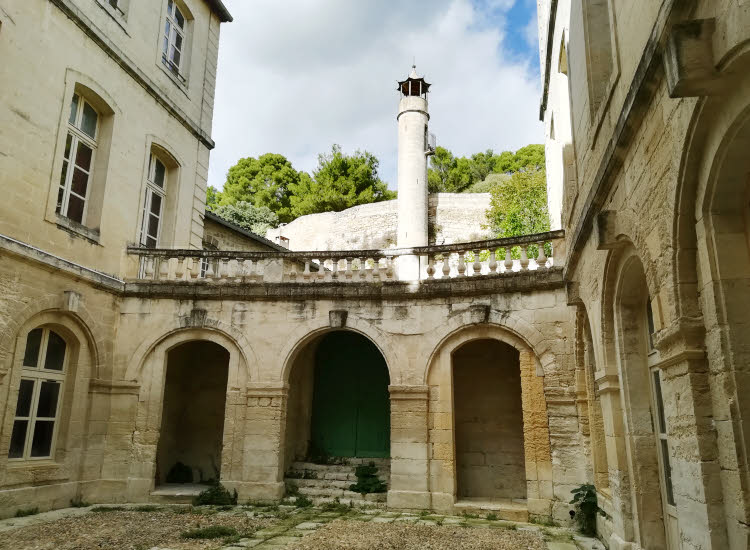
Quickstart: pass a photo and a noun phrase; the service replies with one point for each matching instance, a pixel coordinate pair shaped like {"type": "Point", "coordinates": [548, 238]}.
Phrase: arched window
{"type": "Point", "coordinates": [153, 202]}
{"type": "Point", "coordinates": [78, 160]}
{"type": "Point", "coordinates": [39, 394]}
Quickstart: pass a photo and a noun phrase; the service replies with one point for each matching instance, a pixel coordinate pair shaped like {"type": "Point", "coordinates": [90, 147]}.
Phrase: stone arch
{"type": "Point", "coordinates": [516, 332]}
{"type": "Point", "coordinates": [197, 327]}
{"type": "Point", "coordinates": [441, 411]}
{"type": "Point", "coordinates": [315, 328]}
{"type": "Point", "coordinates": [69, 305]}
{"type": "Point", "coordinates": [711, 262]}
{"type": "Point", "coordinates": [81, 364]}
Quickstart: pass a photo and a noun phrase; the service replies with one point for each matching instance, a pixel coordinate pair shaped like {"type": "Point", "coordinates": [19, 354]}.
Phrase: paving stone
{"type": "Point", "coordinates": [308, 525]}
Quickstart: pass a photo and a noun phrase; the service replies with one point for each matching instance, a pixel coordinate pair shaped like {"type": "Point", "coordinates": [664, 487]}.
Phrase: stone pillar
{"type": "Point", "coordinates": [619, 479]}
{"type": "Point", "coordinates": [263, 456]}
{"type": "Point", "coordinates": [696, 472]}
{"type": "Point", "coordinates": [536, 439]}
{"type": "Point", "coordinates": [409, 487]}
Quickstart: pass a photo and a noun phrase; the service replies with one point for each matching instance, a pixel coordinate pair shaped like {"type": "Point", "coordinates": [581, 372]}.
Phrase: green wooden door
{"type": "Point", "coordinates": [351, 407]}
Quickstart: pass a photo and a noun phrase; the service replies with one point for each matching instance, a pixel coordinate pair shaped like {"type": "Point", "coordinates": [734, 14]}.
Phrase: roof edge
{"type": "Point", "coordinates": [221, 10]}
{"type": "Point", "coordinates": [244, 232]}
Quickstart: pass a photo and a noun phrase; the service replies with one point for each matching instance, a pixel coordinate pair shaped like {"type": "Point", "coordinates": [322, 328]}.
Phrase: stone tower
{"type": "Point", "coordinates": [414, 146]}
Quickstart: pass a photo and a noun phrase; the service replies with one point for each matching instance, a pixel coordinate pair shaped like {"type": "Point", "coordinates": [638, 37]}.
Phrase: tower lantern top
{"type": "Point", "coordinates": [414, 85]}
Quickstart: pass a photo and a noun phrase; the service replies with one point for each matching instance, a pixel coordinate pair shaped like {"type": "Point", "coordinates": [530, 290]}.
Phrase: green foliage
{"type": "Point", "coordinates": [23, 512]}
{"type": "Point", "coordinates": [213, 196]}
{"type": "Point", "coordinates": [488, 183]}
{"type": "Point", "coordinates": [368, 480]}
{"type": "Point", "coordinates": [108, 509]}
{"type": "Point", "coordinates": [292, 489]}
{"type": "Point", "coordinates": [265, 181]}
{"type": "Point", "coordinates": [217, 494]}
{"type": "Point", "coordinates": [211, 532]}
{"type": "Point", "coordinates": [180, 473]}
{"type": "Point", "coordinates": [78, 502]}
{"type": "Point", "coordinates": [518, 206]}
{"type": "Point", "coordinates": [587, 507]}
{"type": "Point", "coordinates": [303, 501]}
{"type": "Point", "coordinates": [339, 182]}
{"type": "Point", "coordinates": [336, 506]}
{"type": "Point", "coordinates": [451, 174]}
{"type": "Point", "coordinates": [257, 219]}
{"type": "Point", "coordinates": [492, 516]}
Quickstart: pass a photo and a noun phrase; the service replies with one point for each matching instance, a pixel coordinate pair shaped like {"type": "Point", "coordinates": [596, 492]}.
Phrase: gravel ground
{"type": "Point", "coordinates": [125, 530]}
{"type": "Point", "coordinates": [342, 535]}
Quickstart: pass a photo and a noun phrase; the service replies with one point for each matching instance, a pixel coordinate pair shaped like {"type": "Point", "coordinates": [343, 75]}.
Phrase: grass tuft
{"type": "Point", "coordinates": [212, 532]}
{"type": "Point", "coordinates": [24, 512]}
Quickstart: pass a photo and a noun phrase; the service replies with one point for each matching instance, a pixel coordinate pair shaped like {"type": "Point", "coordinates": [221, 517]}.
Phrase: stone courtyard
{"type": "Point", "coordinates": [267, 527]}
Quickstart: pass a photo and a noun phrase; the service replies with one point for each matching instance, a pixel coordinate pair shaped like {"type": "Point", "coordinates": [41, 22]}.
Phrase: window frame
{"type": "Point", "coordinates": [152, 188]}
{"type": "Point", "coordinates": [77, 136]}
{"type": "Point", "coordinates": [40, 374]}
{"type": "Point", "coordinates": [167, 39]}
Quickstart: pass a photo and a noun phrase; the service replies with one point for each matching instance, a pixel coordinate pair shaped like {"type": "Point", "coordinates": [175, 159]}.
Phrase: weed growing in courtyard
{"type": "Point", "coordinates": [108, 509]}
{"type": "Point", "coordinates": [303, 501]}
{"type": "Point", "coordinates": [368, 480]}
{"type": "Point", "coordinates": [217, 494]}
{"type": "Point", "coordinates": [212, 532]}
{"type": "Point", "coordinates": [292, 490]}
{"type": "Point", "coordinates": [469, 515]}
{"type": "Point", "coordinates": [492, 516]}
{"type": "Point", "coordinates": [587, 507]}
{"type": "Point", "coordinates": [336, 506]}
{"type": "Point", "coordinates": [23, 512]}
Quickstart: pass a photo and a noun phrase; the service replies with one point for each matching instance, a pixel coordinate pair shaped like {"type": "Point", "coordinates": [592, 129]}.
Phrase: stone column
{"type": "Point", "coordinates": [263, 456]}
{"type": "Point", "coordinates": [536, 439]}
{"type": "Point", "coordinates": [608, 386]}
{"type": "Point", "coordinates": [696, 473]}
{"type": "Point", "coordinates": [409, 486]}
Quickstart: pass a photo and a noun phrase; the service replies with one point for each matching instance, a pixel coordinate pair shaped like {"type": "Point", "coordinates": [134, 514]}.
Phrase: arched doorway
{"type": "Point", "coordinates": [648, 444]}
{"type": "Point", "coordinates": [192, 425]}
{"type": "Point", "coordinates": [489, 438]}
{"type": "Point", "coordinates": [338, 402]}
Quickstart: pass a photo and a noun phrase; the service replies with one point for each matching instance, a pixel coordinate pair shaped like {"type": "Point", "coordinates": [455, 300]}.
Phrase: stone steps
{"type": "Point", "coordinates": [327, 482]}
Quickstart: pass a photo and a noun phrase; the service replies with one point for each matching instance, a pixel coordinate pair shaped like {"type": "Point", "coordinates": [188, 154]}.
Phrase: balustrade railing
{"type": "Point", "coordinates": [476, 259]}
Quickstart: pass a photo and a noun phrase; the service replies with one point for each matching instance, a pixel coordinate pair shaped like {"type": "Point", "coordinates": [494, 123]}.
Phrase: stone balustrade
{"type": "Point", "coordinates": [475, 259]}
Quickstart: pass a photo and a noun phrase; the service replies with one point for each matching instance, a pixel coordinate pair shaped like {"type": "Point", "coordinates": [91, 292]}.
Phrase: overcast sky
{"type": "Point", "coordinates": [296, 76]}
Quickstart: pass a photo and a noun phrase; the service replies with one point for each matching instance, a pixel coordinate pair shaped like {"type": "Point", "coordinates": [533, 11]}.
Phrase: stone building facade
{"type": "Point", "coordinates": [646, 107]}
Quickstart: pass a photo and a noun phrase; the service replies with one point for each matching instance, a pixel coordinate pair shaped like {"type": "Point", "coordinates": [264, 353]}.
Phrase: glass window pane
{"type": "Point", "coordinates": [153, 226]}
{"type": "Point", "coordinates": [73, 109]}
{"type": "Point", "coordinates": [667, 471]}
{"type": "Point", "coordinates": [41, 443]}
{"type": "Point", "coordinates": [178, 41]}
{"type": "Point", "coordinates": [80, 182]}
{"type": "Point", "coordinates": [150, 242]}
{"type": "Point", "coordinates": [88, 122]}
{"type": "Point", "coordinates": [75, 209]}
{"type": "Point", "coordinates": [83, 156]}
{"type": "Point", "coordinates": [48, 394]}
{"type": "Point", "coordinates": [18, 438]}
{"type": "Point", "coordinates": [160, 172]}
{"type": "Point", "coordinates": [64, 173]}
{"type": "Point", "coordinates": [25, 393]}
{"type": "Point", "coordinates": [176, 57]}
{"type": "Point", "coordinates": [165, 49]}
{"type": "Point", "coordinates": [33, 341]}
{"type": "Point", "coordinates": [659, 402]}
{"type": "Point", "coordinates": [68, 144]}
{"type": "Point", "coordinates": [170, 6]}
{"type": "Point", "coordinates": [179, 17]}
{"type": "Point", "coordinates": [155, 204]}
{"type": "Point", "coordinates": [55, 352]}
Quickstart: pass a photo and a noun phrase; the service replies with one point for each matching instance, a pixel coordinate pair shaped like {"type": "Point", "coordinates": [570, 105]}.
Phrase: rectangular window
{"type": "Point", "coordinates": [153, 202]}
{"type": "Point", "coordinates": [39, 393]}
{"type": "Point", "coordinates": [173, 42]}
{"type": "Point", "coordinates": [78, 160]}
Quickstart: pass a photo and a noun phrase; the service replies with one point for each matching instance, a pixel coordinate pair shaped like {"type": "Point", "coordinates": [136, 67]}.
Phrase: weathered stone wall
{"type": "Point", "coordinates": [453, 218]}
{"type": "Point", "coordinates": [138, 107]}
{"type": "Point", "coordinates": [649, 185]}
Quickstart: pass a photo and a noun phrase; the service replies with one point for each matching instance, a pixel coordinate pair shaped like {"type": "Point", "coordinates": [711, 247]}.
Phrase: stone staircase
{"type": "Point", "coordinates": [326, 482]}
